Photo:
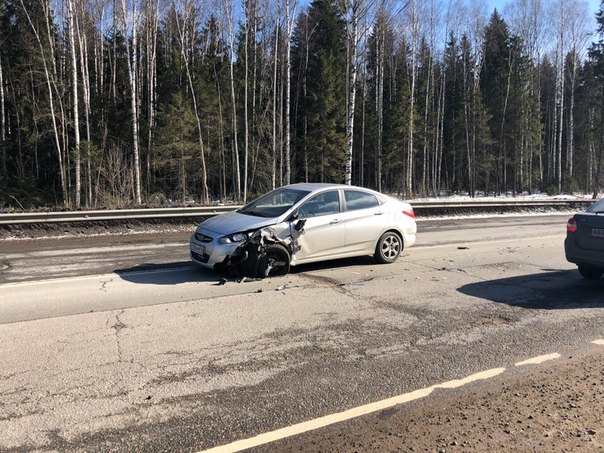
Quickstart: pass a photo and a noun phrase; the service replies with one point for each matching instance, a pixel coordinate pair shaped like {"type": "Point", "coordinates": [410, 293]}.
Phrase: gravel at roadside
{"type": "Point", "coordinates": [557, 406]}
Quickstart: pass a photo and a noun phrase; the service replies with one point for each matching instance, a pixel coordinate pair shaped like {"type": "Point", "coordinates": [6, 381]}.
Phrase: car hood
{"type": "Point", "coordinates": [234, 222]}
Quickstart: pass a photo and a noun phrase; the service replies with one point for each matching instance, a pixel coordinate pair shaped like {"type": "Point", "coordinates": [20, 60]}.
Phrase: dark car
{"type": "Point", "coordinates": [584, 244]}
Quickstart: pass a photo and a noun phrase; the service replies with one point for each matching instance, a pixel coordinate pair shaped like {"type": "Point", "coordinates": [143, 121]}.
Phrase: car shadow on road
{"type": "Point", "coordinates": [550, 290]}
{"type": "Point", "coordinates": [167, 274]}
{"type": "Point", "coordinates": [334, 264]}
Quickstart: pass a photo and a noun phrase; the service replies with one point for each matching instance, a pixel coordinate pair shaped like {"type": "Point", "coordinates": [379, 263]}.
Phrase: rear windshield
{"type": "Point", "coordinates": [597, 207]}
{"type": "Point", "coordinates": [274, 203]}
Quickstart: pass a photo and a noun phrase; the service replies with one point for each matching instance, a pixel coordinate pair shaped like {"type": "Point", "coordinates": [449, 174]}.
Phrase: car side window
{"type": "Point", "coordinates": [356, 200]}
{"type": "Point", "coordinates": [323, 204]}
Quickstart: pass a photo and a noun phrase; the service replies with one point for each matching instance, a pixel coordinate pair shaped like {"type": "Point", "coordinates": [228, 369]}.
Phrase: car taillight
{"type": "Point", "coordinates": [571, 226]}
{"type": "Point", "coordinates": [410, 213]}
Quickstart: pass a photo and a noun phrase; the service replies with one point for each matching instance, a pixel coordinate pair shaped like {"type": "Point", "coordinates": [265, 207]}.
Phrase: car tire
{"type": "Point", "coordinates": [388, 248]}
{"type": "Point", "coordinates": [275, 261]}
{"type": "Point", "coordinates": [590, 273]}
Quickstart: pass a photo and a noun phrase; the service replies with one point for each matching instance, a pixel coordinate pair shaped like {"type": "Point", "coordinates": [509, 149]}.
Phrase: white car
{"type": "Point", "coordinates": [304, 223]}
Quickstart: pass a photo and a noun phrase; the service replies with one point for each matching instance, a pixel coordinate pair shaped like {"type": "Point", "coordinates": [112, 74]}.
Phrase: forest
{"type": "Point", "coordinates": [115, 103]}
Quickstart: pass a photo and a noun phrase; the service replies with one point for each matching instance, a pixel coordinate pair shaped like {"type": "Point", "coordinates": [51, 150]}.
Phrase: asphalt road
{"type": "Point", "coordinates": [118, 344]}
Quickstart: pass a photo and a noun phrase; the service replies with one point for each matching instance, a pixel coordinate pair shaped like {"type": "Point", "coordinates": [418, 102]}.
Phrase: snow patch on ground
{"type": "Point", "coordinates": [508, 197]}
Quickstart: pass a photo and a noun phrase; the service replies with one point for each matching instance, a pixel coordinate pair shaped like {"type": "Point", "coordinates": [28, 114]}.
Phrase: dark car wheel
{"type": "Point", "coordinates": [591, 273]}
{"type": "Point", "coordinates": [388, 248]}
{"type": "Point", "coordinates": [275, 261]}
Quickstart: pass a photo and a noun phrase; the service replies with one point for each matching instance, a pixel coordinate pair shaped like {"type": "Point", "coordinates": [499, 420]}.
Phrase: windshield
{"type": "Point", "coordinates": [274, 203]}
{"type": "Point", "coordinates": [597, 208]}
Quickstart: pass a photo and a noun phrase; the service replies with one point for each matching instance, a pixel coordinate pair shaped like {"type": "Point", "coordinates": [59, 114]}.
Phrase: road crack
{"type": "Point", "coordinates": [104, 284]}
{"type": "Point", "coordinates": [119, 326]}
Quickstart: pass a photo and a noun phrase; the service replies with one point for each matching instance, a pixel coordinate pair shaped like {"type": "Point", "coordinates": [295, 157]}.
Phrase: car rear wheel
{"type": "Point", "coordinates": [591, 273]}
{"type": "Point", "coordinates": [275, 261]}
{"type": "Point", "coordinates": [388, 248]}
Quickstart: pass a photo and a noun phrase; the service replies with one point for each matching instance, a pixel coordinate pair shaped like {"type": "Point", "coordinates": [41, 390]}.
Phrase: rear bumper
{"type": "Point", "coordinates": [575, 254]}
{"type": "Point", "coordinates": [409, 240]}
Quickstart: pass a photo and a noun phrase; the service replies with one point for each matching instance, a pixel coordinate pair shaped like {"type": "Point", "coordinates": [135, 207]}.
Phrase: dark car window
{"type": "Point", "coordinates": [322, 204]}
{"type": "Point", "coordinates": [597, 207]}
{"type": "Point", "coordinates": [356, 200]}
{"type": "Point", "coordinates": [274, 203]}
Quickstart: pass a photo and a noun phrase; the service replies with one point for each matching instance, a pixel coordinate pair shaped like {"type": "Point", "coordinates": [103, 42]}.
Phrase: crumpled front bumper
{"type": "Point", "coordinates": [209, 254]}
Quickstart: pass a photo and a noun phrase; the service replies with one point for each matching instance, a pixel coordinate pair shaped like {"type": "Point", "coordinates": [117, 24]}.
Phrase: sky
{"type": "Point", "coordinates": [593, 5]}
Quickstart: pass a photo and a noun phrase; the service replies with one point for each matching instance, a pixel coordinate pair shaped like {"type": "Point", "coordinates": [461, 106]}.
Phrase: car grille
{"type": "Point", "coordinates": [201, 258]}
{"type": "Point", "coordinates": [203, 238]}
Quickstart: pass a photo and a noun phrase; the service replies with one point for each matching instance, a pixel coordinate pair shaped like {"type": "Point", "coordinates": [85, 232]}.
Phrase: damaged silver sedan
{"type": "Point", "coordinates": [304, 223]}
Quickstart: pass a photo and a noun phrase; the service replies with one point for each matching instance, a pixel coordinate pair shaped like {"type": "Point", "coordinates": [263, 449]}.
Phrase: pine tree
{"type": "Point", "coordinates": [325, 110]}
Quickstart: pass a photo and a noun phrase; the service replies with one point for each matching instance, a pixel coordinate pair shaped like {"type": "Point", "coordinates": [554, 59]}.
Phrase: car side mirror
{"type": "Point", "coordinates": [299, 225]}
{"type": "Point", "coordinates": [294, 216]}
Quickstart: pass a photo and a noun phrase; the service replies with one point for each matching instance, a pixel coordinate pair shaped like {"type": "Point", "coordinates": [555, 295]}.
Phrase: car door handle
{"type": "Point", "coordinates": [378, 213]}
{"type": "Point", "coordinates": [334, 221]}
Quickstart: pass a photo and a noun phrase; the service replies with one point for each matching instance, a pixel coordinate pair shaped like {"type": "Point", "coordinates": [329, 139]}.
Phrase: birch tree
{"type": "Point", "coordinates": [71, 16]}
{"type": "Point", "coordinates": [130, 28]}
{"type": "Point", "coordinates": [188, 12]}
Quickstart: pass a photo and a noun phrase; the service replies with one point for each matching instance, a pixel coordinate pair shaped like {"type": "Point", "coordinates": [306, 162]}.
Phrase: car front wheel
{"type": "Point", "coordinates": [276, 261]}
{"type": "Point", "coordinates": [591, 273]}
{"type": "Point", "coordinates": [388, 248]}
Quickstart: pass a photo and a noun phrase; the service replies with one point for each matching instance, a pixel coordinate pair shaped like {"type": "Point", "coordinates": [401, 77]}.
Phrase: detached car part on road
{"type": "Point", "coordinates": [584, 243]}
{"type": "Point", "coordinates": [304, 223]}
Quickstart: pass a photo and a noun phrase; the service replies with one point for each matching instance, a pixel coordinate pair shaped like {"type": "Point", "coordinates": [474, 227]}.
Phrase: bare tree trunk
{"type": "Point", "coordinates": [83, 45]}
{"type": "Point", "coordinates": [275, 72]}
{"type": "Point", "coordinates": [132, 74]}
{"type": "Point", "coordinates": [502, 151]}
{"type": "Point", "coordinates": [229, 13]}
{"type": "Point", "coordinates": [3, 168]}
{"type": "Point", "coordinates": [223, 178]}
{"type": "Point", "coordinates": [560, 103]}
{"type": "Point", "coordinates": [290, 16]}
{"type": "Point", "coordinates": [204, 177]}
{"type": "Point", "coordinates": [379, 102]}
{"type": "Point", "coordinates": [245, 98]}
{"type": "Point", "coordinates": [49, 85]}
{"type": "Point", "coordinates": [410, 153]}
{"type": "Point", "coordinates": [353, 26]}
{"type": "Point", "coordinates": [152, 18]}
{"type": "Point", "coordinates": [467, 125]}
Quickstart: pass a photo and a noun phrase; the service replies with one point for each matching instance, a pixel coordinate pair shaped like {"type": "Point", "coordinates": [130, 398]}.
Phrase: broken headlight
{"type": "Point", "coordinates": [236, 238]}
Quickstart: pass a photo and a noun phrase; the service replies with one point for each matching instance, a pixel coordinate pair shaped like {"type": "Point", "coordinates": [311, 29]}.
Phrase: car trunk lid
{"type": "Point", "coordinates": [590, 230]}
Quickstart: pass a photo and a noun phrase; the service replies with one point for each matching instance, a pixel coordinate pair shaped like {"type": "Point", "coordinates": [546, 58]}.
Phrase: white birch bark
{"type": "Point", "coordinates": [49, 84]}
{"type": "Point", "coordinates": [204, 176]}
{"type": "Point", "coordinates": [2, 125]}
{"type": "Point", "coordinates": [131, 54]}
{"type": "Point", "coordinates": [228, 5]}
{"type": "Point", "coordinates": [275, 73]}
{"type": "Point", "coordinates": [290, 15]}
{"type": "Point", "coordinates": [560, 97]}
{"type": "Point", "coordinates": [410, 152]}
{"type": "Point", "coordinates": [353, 9]}
{"type": "Point", "coordinates": [246, 132]}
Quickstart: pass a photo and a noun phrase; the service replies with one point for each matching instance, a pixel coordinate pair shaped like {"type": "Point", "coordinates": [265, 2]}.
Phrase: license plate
{"type": "Point", "coordinates": [597, 232]}
{"type": "Point", "coordinates": [199, 249]}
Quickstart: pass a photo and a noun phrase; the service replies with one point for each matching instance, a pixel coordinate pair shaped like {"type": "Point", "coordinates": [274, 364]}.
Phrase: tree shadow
{"type": "Point", "coordinates": [168, 273]}
{"type": "Point", "coordinates": [551, 289]}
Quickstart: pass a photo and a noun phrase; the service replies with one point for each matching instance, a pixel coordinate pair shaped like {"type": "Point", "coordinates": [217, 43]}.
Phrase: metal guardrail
{"type": "Point", "coordinates": [118, 214]}
{"type": "Point", "coordinates": [194, 212]}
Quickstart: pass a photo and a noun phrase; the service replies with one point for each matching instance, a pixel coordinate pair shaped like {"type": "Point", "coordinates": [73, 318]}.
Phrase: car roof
{"type": "Point", "coordinates": [315, 186]}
